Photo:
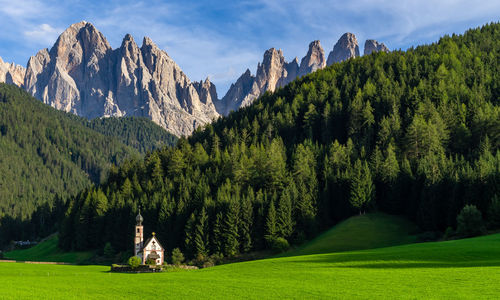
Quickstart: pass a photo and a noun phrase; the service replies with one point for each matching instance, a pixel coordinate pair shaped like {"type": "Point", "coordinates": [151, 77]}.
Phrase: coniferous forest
{"type": "Point", "coordinates": [413, 132]}
{"type": "Point", "coordinates": [47, 155]}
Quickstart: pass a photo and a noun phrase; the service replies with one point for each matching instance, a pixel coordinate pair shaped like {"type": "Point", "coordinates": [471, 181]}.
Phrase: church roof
{"type": "Point", "coordinates": [148, 241]}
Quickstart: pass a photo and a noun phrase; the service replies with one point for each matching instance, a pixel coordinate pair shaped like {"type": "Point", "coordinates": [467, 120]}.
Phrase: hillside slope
{"type": "Point", "coordinates": [48, 251]}
{"type": "Point", "coordinates": [139, 133]}
{"type": "Point", "coordinates": [361, 232]}
{"type": "Point", "coordinates": [44, 154]}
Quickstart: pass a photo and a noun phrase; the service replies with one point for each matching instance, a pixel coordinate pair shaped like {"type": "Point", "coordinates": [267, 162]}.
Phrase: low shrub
{"type": "Point", "coordinates": [449, 232]}
{"type": "Point", "coordinates": [469, 222]}
{"type": "Point", "coordinates": [177, 257]}
{"type": "Point", "coordinates": [279, 245]}
{"type": "Point", "coordinates": [134, 262]}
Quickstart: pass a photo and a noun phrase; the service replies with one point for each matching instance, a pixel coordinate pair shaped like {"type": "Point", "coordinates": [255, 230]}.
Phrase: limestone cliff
{"type": "Point", "coordinates": [83, 75]}
{"type": "Point", "coordinates": [374, 46]}
{"type": "Point", "coordinates": [345, 48]}
{"type": "Point", "coordinates": [11, 73]}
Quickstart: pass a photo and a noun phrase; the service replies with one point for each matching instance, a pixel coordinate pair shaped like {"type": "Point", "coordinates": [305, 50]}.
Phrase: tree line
{"type": "Point", "coordinates": [47, 155]}
{"type": "Point", "coordinates": [413, 132]}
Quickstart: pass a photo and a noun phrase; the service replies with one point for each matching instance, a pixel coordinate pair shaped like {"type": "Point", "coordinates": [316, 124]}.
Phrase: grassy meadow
{"type": "Point", "coordinates": [48, 251]}
{"type": "Point", "coordinates": [468, 268]}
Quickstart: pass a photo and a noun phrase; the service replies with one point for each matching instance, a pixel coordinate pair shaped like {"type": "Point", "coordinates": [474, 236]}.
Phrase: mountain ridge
{"type": "Point", "coordinates": [84, 75]}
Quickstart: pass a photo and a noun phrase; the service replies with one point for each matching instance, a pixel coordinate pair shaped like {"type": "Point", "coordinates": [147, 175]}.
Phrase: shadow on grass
{"type": "Point", "coordinates": [480, 252]}
{"type": "Point", "coordinates": [398, 262]}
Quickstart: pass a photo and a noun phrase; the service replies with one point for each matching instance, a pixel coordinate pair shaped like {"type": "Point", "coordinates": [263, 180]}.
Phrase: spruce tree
{"type": "Point", "coordinates": [362, 189]}
{"type": "Point", "coordinates": [271, 230]}
{"type": "Point", "coordinates": [284, 220]}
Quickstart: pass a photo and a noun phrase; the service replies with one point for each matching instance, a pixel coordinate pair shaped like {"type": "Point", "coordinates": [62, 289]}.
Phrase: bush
{"type": "Point", "coordinates": [150, 262]}
{"type": "Point", "coordinates": [108, 251]}
{"type": "Point", "coordinates": [177, 257]}
{"type": "Point", "coordinates": [1, 255]}
{"type": "Point", "coordinates": [279, 245]}
{"type": "Point", "coordinates": [134, 262]}
{"type": "Point", "coordinates": [449, 232]}
{"type": "Point", "coordinates": [469, 222]}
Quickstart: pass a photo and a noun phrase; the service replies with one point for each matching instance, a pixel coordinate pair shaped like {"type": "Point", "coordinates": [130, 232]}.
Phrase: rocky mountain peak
{"type": "Point", "coordinates": [270, 71]}
{"type": "Point", "coordinates": [11, 73]}
{"type": "Point", "coordinates": [345, 48]}
{"type": "Point", "coordinates": [374, 46]}
{"type": "Point", "coordinates": [314, 59]}
{"type": "Point", "coordinates": [84, 75]}
{"type": "Point", "coordinates": [206, 91]}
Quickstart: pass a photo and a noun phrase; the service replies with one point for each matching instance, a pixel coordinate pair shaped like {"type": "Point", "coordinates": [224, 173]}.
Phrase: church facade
{"type": "Point", "coordinates": [148, 251]}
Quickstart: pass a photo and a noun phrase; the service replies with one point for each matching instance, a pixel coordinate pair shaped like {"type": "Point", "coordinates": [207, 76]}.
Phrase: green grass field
{"type": "Point", "coordinates": [361, 232]}
{"type": "Point", "coordinates": [48, 251]}
{"type": "Point", "coordinates": [457, 269]}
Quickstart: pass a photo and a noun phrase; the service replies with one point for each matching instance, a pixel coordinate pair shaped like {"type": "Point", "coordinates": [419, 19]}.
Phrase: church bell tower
{"type": "Point", "coordinates": [139, 235]}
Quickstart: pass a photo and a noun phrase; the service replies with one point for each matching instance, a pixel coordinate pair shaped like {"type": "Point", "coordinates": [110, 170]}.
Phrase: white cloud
{"type": "Point", "coordinates": [222, 39]}
{"type": "Point", "coordinates": [43, 34]}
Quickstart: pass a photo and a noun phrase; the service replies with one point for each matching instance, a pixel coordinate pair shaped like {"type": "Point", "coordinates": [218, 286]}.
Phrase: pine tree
{"type": "Point", "coordinates": [362, 188]}
{"type": "Point", "coordinates": [271, 230]}
{"type": "Point", "coordinates": [201, 235]}
{"type": "Point", "coordinates": [246, 221]}
{"type": "Point", "coordinates": [189, 231]}
{"type": "Point", "coordinates": [217, 234]}
{"type": "Point", "coordinates": [230, 229]}
{"type": "Point", "coordinates": [284, 222]}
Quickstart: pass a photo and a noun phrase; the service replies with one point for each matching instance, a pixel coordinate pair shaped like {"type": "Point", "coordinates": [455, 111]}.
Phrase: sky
{"type": "Point", "coordinates": [221, 39]}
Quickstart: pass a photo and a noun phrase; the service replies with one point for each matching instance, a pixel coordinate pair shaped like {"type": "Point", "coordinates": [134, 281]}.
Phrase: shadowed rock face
{"type": "Point", "coordinates": [374, 46]}
{"type": "Point", "coordinates": [314, 59]}
{"type": "Point", "coordinates": [83, 75]}
{"type": "Point", "coordinates": [272, 73]}
{"type": "Point", "coordinates": [11, 73]}
{"type": "Point", "coordinates": [346, 47]}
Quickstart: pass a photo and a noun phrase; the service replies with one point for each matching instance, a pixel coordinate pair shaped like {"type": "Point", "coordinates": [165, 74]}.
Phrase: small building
{"type": "Point", "coordinates": [149, 250]}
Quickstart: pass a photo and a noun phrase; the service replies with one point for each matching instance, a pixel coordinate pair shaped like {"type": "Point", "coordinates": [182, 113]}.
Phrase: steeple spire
{"type": "Point", "coordinates": [139, 219]}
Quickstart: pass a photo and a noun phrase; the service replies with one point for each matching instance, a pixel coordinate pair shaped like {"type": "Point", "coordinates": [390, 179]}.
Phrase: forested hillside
{"type": "Point", "coordinates": [139, 133]}
{"type": "Point", "coordinates": [414, 133]}
{"type": "Point", "coordinates": [46, 154]}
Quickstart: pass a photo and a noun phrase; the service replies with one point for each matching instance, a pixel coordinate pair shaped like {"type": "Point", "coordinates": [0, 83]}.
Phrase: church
{"type": "Point", "coordinates": [149, 250]}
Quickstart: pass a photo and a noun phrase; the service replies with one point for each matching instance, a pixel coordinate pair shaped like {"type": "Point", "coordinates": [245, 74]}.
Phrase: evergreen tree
{"type": "Point", "coordinates": [362, 188]}
{"type": "Point", "coordinates": [271, 230]}
{"type": "Point", "coordinates": [284, 220]}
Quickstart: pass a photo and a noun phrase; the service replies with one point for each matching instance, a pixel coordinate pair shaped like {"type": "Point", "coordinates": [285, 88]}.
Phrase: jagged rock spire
{"type": "Point", "coordinates": [374, 46]}
{"type": "Point", "coordinates": [345, 48]}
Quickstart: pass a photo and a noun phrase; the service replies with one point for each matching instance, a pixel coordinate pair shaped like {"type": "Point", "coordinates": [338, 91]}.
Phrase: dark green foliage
{"type": "Point", "coordinates": [177, 257]}
{"type": "Point", "coordinates": [139, 133]}
{"type": "Point", "coordinates": [469, 222]}
{"type": "Point", "coordinates": [45, 156]}
{"type": "Point", "coordinates": [412, 133]}
{"type": "Point", "coordinates": [279, 245]}
{"type": "Point", "coordinates": [494, 212]}
{"type": "Point", "coordinates": [134, 262]}
{"type": "Point", "coordinates": [362, 188]}
{"type": "Point", "coordinates": [271, 230]}
{"type": "Point", "coordinates": [108, 250]}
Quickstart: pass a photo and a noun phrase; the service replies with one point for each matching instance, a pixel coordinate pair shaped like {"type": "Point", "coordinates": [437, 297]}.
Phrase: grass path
{"type": "Point", "coordinates": [461, 269]}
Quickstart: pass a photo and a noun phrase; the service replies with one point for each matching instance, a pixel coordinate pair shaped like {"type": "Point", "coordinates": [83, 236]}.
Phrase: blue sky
{"type": "Point", "coordinates": [221, 39]}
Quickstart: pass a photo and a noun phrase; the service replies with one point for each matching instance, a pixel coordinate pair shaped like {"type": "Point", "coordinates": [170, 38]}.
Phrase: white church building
{"type": "Point", "coordinates": [149, 250]}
